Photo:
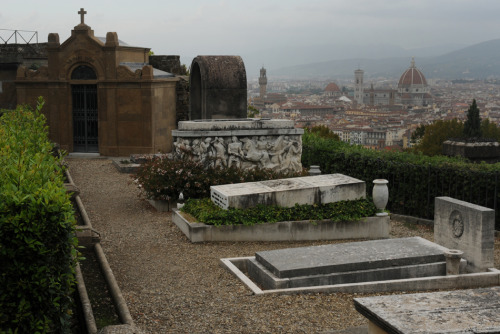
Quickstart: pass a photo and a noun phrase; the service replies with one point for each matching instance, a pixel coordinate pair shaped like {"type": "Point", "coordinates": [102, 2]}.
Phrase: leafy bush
{"type": "Point", "coordinates": [205, 211]}
{"type": "Point", "coordinates": [37, 242]}
{"type": "Point", "coordinates": [436, 134]}
{"type": "Point", "coordinates": [164, 179]}
{"type": "Point", "coordinates": [323, 131]}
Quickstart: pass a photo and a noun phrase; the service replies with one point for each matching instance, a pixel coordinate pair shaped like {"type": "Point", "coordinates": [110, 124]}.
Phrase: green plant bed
{"type": "Point", "coordinates": [100, 298]}
{"type": "Point", "coordinates": [205, 211]}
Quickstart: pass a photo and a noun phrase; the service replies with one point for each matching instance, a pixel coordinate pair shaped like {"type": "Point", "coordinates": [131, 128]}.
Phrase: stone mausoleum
{"type": "Point", "coordinates": [101, 95]}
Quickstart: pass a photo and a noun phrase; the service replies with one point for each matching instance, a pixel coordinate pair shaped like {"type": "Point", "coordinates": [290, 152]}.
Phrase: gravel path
{"type": "Point", "coordinates": [174, 286]}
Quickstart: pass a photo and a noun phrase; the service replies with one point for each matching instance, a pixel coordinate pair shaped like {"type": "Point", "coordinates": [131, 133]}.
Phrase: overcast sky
{"type": "Point", "coordinates": [251, 28]}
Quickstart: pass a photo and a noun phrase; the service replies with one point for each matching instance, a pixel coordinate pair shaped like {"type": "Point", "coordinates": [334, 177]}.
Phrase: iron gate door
{"type": "Point", "coordinates": [85, 125]}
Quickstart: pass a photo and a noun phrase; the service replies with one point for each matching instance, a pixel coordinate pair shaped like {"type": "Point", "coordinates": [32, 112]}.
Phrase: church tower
{"type": "Point", "coordinates": [263, 82]}
{"type": "Point", "coordinates": [358, 86]}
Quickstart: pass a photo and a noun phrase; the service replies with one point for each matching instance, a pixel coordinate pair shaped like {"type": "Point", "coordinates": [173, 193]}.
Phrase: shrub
{"type": "Point", "coordinates": [37, 242]}
{"type": "Point", "coordinates": [164, 179]}
{"type": "Point", "coordinates": [323, 131]}
{"type": "Point", "coordinates": [205, 211]}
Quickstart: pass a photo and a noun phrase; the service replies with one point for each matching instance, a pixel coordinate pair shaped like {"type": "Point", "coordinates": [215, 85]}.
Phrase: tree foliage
{"type": "Point", "coordinates": [472, 126]}
{"type": "Point", "coordinates": [323, 131]}
{"type": "Point", "coordinates": [429, 138]}
{"type": "Point", "coordinates": [490, 130]}
{"type": "Point", "coordinates": [418, 134]}
{"type": "Point", "coordinates": [436, 133]}
{"type": "Point", "coordinates": [252, 111]}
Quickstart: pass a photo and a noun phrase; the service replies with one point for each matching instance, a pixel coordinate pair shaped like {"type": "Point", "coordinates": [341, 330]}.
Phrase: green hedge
{"type": "Point", "coordinates": [205, 211]}
{"type": "Point", "coordinates": [414, 179]}
{"type": "Point", "coordinates": [37, 240]}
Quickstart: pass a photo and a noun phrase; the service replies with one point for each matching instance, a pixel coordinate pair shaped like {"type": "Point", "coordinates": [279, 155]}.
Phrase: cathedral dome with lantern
{"type": "Point", "coordinates": [413, 88]}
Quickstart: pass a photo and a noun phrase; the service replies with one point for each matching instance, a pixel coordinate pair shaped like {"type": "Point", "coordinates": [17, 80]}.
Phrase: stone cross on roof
{"type": "Point", "coordinates": [82, 15]}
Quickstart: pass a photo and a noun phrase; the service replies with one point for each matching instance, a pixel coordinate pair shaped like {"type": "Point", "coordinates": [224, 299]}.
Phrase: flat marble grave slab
{"type": "Point", "coordinates": [327, 259]}
{"type": "Point", "coordinates": [462, 311]}
{"type": "Point", "coordinates": [326, 188]}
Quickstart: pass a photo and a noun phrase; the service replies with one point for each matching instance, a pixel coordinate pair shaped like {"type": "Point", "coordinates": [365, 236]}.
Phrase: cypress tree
{"type": "Point", "coordinates": [472, 126]}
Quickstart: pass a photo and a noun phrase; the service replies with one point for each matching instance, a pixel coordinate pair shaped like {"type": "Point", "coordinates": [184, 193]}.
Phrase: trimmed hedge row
{"type": "Point", "coordinates": [205, 211]}
{"type": "Point", "coordinates": [37, 240]}
{"type": "Point", "coordinates": [414, 179]}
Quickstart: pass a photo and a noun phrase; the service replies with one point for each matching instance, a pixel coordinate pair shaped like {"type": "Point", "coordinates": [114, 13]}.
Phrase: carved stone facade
{"type": "Point", "coordinates": [273, 144]}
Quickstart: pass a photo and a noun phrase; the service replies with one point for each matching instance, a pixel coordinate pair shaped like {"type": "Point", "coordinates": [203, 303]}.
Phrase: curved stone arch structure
{"type": "Point", "coordinates": [83, 58]}
{"type": "Point", "coordinates": [218, 88]}
{"type": "Point", "coordinates": [82, 71]}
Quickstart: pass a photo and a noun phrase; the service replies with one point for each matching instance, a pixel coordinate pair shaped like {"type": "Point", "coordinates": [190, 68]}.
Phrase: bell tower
{"type": "Point", "coordinates": [263, 82]}
{"type": "Point", "coordinates": [358, 86]}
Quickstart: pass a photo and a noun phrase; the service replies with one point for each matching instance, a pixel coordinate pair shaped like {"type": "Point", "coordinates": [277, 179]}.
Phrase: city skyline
{"type": "Point", "coordinates": [270, 33]}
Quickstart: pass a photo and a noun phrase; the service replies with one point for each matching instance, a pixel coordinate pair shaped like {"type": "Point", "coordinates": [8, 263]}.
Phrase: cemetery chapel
{"type": "Point", "coordinates": [101, 95]}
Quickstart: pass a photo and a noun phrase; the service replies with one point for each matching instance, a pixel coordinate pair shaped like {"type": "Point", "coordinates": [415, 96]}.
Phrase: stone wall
{"type": "Point", "coordinates": [182, 103]}
{"type": "Point", "coordinates": [28, 55]}
{"type": "Point", "coordinates": [12, 56]}
{"type": "Point", "coordinates": [171, 64]}
{"type": "Point", "coordinates": [487, 151]}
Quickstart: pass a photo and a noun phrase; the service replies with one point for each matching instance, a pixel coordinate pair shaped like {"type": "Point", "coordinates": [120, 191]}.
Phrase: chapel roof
{"type": "Point", "coordinates": [138, 66]}
{"type": "Point", "coordinates": [120, 42]}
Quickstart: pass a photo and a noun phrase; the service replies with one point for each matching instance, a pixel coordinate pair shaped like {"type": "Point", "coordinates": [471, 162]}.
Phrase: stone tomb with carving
{"type": "Point", "coordinates": [467, 227]}
{"type": "Point", "coordinates": [244, 143]}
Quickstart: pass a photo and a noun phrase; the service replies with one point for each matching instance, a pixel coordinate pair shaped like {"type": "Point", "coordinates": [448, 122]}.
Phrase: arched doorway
{"type": "Point", "coordinates": [85, 116]}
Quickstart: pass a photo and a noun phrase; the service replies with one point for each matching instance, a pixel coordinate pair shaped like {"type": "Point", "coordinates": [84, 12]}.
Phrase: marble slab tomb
{"type": "Point", "coordinates": [376, 260]}
{"type": "Point", "coordinates": [461, 311]}
{"type": "Point", "coordinates": [288, 192]}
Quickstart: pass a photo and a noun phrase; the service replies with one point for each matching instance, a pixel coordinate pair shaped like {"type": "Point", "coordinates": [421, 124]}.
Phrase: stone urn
{"type": "Point", "coordinates": [314, 170]}
{"type": "Point", "coordinates": [380, 195]}
{"type": "Point", "coordinates": [453, 257]}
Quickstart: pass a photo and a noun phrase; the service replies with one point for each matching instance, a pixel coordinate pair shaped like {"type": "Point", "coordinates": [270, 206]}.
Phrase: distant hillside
{"type": "Point", "coordinates": [478, 61]}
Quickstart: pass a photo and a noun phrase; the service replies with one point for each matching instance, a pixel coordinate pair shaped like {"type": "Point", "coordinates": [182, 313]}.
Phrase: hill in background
{"type": "Point", "coordinates": [478, 61]}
